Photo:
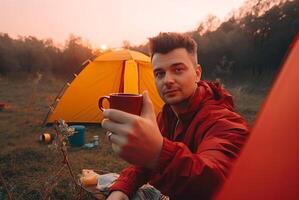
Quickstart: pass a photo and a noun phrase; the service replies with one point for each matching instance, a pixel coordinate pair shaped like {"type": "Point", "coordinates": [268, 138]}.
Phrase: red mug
{"type": "Point", "coordinates": [131, 103]}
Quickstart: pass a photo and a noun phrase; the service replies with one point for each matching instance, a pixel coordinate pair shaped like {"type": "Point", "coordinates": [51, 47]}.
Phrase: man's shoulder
{"type": "Point", "coordinates": [211, 113]}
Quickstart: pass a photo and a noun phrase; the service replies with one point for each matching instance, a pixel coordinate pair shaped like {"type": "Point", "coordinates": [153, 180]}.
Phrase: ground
{"type": "Point", "coordinates": [33, 170]}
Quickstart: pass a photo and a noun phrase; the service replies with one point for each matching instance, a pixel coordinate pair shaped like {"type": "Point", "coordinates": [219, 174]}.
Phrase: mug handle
{"type": "Point", "coordinates": [100, 103]}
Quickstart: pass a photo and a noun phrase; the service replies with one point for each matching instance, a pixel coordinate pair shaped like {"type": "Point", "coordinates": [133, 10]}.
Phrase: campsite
{"type": "Point", "coordinates": [36, 170]}
{"type": "Point", "coordinates": [30, 166]}
{"type": "Point", "coordinates": [46, 78]}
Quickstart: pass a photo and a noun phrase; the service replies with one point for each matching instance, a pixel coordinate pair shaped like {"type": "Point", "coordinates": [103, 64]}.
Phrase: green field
{"type": "Point", "coordinates": [29, 168]}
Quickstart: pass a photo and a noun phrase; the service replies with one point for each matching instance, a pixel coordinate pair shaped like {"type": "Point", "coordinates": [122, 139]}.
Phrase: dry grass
{"type": "Point", "coordinates": [28, 166]}
{"type": "Point", "coordinates": [25, 163]}
{"type": "Point", "coordinates": [246, 103]}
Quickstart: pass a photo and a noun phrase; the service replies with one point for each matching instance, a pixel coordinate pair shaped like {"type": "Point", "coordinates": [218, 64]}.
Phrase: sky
{"type": "Point", "coordinates": [107, 22]}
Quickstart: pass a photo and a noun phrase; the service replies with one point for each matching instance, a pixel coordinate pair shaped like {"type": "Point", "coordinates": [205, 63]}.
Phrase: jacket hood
{"type": "Point", "coordinates": [207, 93]}
{"type": "Point", "coordinates": [213, 93]}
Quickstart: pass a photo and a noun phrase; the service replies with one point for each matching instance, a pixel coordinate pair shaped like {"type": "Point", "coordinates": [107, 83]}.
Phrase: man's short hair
{"type": "Point", "coordinates": [168, 41]}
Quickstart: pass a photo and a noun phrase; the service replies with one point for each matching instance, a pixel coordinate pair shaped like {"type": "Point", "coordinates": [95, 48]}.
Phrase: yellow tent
{"type": "Point", "coordinates": [115, 71]}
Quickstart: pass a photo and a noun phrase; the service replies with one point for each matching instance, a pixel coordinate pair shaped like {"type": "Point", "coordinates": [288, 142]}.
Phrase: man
{"type": "Point", "coordinates": [187, 152]}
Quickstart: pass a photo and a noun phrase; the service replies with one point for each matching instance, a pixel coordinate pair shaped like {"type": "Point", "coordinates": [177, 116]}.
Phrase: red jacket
{"type": "Point", "coordinates": [198, 149]}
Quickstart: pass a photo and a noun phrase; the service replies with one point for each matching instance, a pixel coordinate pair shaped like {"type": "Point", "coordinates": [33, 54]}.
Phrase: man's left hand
{"type": "Point", "coordinates": [136, 139]}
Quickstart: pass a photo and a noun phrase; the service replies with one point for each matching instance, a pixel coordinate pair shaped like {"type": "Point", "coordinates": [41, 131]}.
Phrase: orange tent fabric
{"type": "Point", "coordinates": [115, 71]}
{"type": "Point", "coordinates": [268, 167]}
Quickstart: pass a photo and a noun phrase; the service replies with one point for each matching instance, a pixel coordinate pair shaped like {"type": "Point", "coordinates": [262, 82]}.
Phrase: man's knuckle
{"type": "Point", "coordinates": [138, 121]}
{"type": "Point", "coordinates": [103, 122]}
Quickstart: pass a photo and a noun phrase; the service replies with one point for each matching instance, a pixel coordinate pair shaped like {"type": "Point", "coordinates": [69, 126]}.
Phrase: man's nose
{"type": "Point", "coordinates": [168, 79]}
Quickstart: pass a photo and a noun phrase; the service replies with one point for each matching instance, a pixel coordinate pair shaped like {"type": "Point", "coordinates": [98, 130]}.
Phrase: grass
{"type": "Point", "coordinates": [28, 166]}
{"type": "Point", "coordinates": [246, 103]}
{"type": "Point", "coordinates": [25, 163]}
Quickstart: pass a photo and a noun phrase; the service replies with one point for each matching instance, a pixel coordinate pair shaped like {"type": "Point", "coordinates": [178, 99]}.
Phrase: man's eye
{"type": "Point", "coordinates": [178, 70]}
{"type": "Point", "coordinates": [159, 74]}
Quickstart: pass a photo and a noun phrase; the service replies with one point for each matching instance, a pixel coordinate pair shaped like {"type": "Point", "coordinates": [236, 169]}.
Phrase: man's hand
{"type": "Point", "coordinates": [136, 139]}
{"type": "Point", "coordinates": [118, 195]}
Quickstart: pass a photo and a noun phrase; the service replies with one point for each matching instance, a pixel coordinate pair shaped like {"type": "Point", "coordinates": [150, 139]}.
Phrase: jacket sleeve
{"type": "Point", "coordinates": [183, 174]}
{"type": "Point", "coordinates": [130, 179]}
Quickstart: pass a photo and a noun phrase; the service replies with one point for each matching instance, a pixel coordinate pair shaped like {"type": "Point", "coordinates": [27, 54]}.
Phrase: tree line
{"type": "Point", "coordinates": [29, 55]}
{"type": "Point", "coordinates": [251, 43]}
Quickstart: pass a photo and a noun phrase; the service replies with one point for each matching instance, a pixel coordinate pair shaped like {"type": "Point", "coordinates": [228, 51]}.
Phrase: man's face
{"type": "Point", "coordinates": [175, 75]}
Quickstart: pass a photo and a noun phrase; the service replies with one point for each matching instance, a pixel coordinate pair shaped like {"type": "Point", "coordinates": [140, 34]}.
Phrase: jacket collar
{"type": "Point", "coordinates": [206, 93]}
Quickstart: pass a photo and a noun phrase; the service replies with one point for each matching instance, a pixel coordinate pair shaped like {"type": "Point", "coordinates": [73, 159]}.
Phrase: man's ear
{"type": "Point", "coordinates": [198, 71]}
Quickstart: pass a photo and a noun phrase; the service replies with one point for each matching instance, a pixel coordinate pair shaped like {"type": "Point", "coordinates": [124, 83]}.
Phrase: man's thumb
{"type": "Point", "coordinates": [147, 107]}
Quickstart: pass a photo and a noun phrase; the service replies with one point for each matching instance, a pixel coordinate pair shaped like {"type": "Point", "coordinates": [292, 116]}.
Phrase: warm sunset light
{"type": "Point", "coordinates": [103, 47]}
{"type": "Point", "coordinates": [107, 22]}
{"type": "Point", "coordinates": [156, 99]}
